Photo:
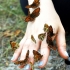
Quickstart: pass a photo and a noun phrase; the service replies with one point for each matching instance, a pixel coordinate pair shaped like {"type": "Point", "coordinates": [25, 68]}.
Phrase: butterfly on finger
{"type": "Point", "coordinates": [37, 56]}
{"type": "Point", "coordinates": [23, 62]}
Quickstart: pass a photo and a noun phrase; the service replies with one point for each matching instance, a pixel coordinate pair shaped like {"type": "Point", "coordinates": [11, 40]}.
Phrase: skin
{"type": "Point", "coordinates": [47, 15]}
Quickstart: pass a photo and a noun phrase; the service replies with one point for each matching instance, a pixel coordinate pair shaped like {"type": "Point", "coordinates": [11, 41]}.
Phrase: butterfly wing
{"type": "Point", "coordinates": [33, 39]}
{"type": "Point", "coordinates": [23, 62]}
{"type": "Point", "coordinates": [34, 4]}
{"type": "Point", "coordinates": [35, 13]}
{"type": "Point", "coordinates": [17, 62]}
{"type": "Point", "coordinates": [28, 18]}
{"type": "Point", "coordinates": [50, 32]}
{"type": "Point", "coordinates": [14, 45]}
{"type": "Point", "coordinates": [49, 41]}
{"type": "Point", "coordinates": [42, 36]}
{"type": "Point", "coordinates": [37, 56]}
{"type": "Point", "coordinates": [46, 27]}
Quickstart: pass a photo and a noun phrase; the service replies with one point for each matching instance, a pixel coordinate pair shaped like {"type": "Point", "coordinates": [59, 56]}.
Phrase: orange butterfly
{"type": "Point", "coordinates": [14, 45]}
{"type": "Point", "coordinates": [37, 56]}
{"type": "Point", "coordinates": [34, 4]}
{"type": "Point", "coordinates": [42, 36]}
{"type": "Point", "coordinates": [33, 15]}
{"type": "Point", "coordinates": [33, 39]}
{"type": "Point", "coordinates": [23, 62]}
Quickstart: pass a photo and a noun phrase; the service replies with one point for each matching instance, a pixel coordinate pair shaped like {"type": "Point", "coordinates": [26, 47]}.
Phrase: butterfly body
{"type": "Point", "coordinates": [34, 4]}
{"type": "Point", "coordinates": [33, 15]}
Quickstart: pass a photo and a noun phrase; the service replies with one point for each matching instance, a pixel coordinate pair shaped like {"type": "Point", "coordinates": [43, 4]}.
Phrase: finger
{"type": "Point", "coordinates": [33, 46]}
{"type": "Point", "coordinates": [45, 51]}
{"type": "Point", "coordinates": [24, 49]}
{"type": "Point", "coordinates": [61, 43]}
{"type": "Point", "coordinates": [23, 54]}
{"type": "Point", "coordinates": [18, 51]}
{"type": "Point", "coordinates": [22, 41]}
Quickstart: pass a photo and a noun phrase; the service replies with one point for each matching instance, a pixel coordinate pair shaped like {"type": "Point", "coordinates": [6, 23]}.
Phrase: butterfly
{"type": "Point", "coordinates": [33, 39]}
{"type": "Point", "coordinates": [14, 45]}
{"type": "Point", "coordinates": [50, 31]}
{"type": "Point", "coordinates": [37, 56]}
{"type": "Point", "coordinates": [42, 36]}
{"type": "Point", "coordinates": [33, 15]}
{"type": "Point", "coordinates": [34, 4]}
{"type": "Point", "coordinates": [46, 27]}
{"type": "Point", "coordinates": [23, 62]}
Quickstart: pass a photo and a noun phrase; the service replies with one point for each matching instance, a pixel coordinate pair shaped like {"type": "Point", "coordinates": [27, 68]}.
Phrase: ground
{"type": "Point", "coordinates": [12, 27]}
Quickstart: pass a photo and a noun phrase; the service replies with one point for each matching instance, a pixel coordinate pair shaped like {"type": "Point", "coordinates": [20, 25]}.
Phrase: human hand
{"type": "Point", "coordinates": [47, 15]}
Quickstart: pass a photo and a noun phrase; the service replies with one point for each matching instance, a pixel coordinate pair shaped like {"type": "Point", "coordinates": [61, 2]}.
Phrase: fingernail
{"type": "Point", "coordinates": [27, 66]}
{"type": "Point", "coordinates": [66, 53]}
{"type": "Point", "coordinates": [12, 58]}
{"type": "Point", "coordinates": [40, 63]}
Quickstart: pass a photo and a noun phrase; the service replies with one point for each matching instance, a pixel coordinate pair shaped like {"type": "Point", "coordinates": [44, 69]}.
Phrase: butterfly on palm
{"type": "Point", "coordinates": [34, 4]}
{"type": "Point", "coordinates": [37, 56]}
{"type": "Point", "coordinates": [23, 62]}
{"type": "Point", "coordinates": [14, 45]}
{"type": "Point", "coordinates": [33, 15]}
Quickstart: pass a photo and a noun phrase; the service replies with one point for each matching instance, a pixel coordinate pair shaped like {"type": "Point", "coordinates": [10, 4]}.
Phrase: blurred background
{"type": "Point", "coordinates": [12, 27]}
